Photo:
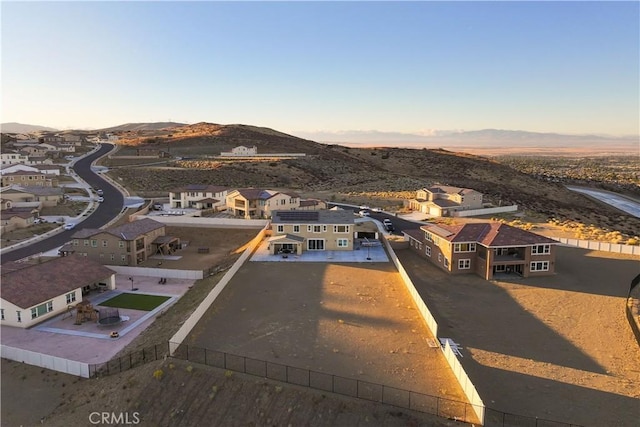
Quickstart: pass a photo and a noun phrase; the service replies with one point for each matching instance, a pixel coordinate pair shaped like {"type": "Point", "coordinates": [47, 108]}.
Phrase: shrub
{"type": "Point", "coordinates": [157, 374]}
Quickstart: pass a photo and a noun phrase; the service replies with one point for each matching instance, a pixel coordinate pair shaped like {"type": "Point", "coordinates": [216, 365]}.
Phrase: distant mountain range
{"type": "Point", "coordinates": [485, 137]}
{"type": "Point", "coordinates": [14, 127]}
{"type": "Point", "coordinates": [431, 139]}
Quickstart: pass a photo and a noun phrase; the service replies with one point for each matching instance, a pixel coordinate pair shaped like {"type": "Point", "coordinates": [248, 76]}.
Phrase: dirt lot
{"type": "Point", "coordinates": [558, 348]}
{"type": "Point", "coordinates": [352, 320]}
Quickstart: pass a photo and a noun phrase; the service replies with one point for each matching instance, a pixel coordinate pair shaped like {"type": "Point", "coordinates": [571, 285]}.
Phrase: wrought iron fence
{"type": "Point", "coordinates": [412, 400]}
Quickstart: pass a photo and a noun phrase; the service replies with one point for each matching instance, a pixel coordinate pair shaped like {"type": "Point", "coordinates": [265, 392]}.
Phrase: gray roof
{"type": "Point", "coordinates": [39, 191]}
{"type": "Point", "coordinates": [129, 231]}
{"type": "Point", "coordinates": [323, 216]}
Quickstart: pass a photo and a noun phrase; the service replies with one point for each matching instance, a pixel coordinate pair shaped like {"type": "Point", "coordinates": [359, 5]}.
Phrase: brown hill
{"type": "Point", "coordinates": [343, 173]}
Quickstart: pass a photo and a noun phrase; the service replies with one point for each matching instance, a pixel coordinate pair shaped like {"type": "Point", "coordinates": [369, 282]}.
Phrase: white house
{"type": "Point", "coordinates": [12, 157]}
{"type": "Point", "coordinates": [31, 293]}
{"type": "Point", "coordinates": [241, 151]}
{"type": "Point", "coordinates": [198, 196]}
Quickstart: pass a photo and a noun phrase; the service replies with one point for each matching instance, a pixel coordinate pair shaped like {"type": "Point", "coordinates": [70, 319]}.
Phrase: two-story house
{"type": "Point", "coordinates": [486, 249]}
{"type": "Point", "coordinates": [128, 244]}
{"type": "Point", "coordinates": [251, 203]}
{"type": "Point", "coordinates": [26, 178]}
{"type": "Point", "coordinates": [443, 200]}
{"type": "Point", "coordinates": [32, 196]}
{"type": "Point", "coordinates": [12, 157]}
{"type": "Point", "coordinates": [198, 196]}
{"type": "Point", "coordinates": [298, 231]}
{"type": "Point", "coordinates": [32, 293]}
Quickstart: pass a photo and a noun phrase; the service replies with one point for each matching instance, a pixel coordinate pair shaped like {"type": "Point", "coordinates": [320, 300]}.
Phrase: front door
{"type": "Point", "coordinates": [315, 244]}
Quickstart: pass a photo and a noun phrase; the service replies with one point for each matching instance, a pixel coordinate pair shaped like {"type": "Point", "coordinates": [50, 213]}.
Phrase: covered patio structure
{"type": "Point", "coordinates": [286, 244]}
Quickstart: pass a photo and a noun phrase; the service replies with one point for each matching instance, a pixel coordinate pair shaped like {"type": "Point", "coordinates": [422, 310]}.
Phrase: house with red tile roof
{"type": "Point", "coordinates": [32, 293]}
{"type": "Point", "coordinates": [486, 249]}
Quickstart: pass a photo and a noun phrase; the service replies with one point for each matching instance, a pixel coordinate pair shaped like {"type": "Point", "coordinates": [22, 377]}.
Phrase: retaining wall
{"type": "Point", "coordinates": [185, 221]}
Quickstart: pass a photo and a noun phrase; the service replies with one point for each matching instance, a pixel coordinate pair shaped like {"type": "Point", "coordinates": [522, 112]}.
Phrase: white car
{"type": "Point", "coordinates": [364, 207]}
{"type": "Point", "coordinates": [100, 199]}
{"type": "Point", "coordinates": [364, 213]}
{"type": "Point", "coordinates": [376, 210]}
{"type": "Point", "coordinates": [69, 226]}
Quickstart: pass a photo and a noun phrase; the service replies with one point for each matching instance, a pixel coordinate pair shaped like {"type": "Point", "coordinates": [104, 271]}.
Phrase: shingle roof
{"type": "Point", "coordinates": [490, 234]}
{"type": "Point", "coordinates": [35, 284]}
{"type": "Point", "coordinates": [414, 233]}
{"type": "Point", "coordinates": [128, 231]}
{"type": "Point", "coordinates": [40, 191]}
{"type": "Point", "coordinates": [323, 216]}
{"type": "Point", "coordinates": [201, 188]}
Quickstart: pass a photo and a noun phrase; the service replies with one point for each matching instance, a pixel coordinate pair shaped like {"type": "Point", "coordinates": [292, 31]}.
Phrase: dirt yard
{"type": "Point", "coordinates": [352, 320]}
{"type": "Point", "coordinates": [558, 347]}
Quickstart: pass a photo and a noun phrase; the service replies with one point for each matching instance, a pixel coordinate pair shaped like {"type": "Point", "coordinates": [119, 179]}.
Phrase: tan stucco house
{"type": "Point", "coordinates": [128, 244]}
{"type": "Point", "coordinates": [299, 231]}
{"type": "Point", "coordinates": [486, 249]}
{"type": "Point", "coordinates": [32, 293]}
{"type": "Point", "coordinates": [443, 200]}
{"type": "Point", "coordinates": [251, 203]}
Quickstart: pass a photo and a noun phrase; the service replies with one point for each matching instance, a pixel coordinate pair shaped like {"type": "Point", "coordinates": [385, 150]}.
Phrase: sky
{"type": "Point", "coordinates": [411, 67]}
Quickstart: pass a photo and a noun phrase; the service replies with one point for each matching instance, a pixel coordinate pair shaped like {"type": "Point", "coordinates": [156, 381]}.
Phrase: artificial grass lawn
{"type": "Point", "coordinates": [135, 301]}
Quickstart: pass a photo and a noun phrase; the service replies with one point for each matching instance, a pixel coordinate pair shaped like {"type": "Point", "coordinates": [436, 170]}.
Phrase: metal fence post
{"type": "Point", "coordinates": [205, 357]}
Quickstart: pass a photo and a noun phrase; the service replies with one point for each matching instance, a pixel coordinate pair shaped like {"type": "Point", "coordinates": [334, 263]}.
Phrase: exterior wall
{"type": "Point", "coordinates": [328, 235]}
{"type": "Point", "coordinates": [106, 248]}
{"type": "Point", "coordinates": [12, 158]}
{"type": "Point", "coordinates": [187, 199]}
{"type": "Point", "coordinates": [238, 205]}
{"type": "Point", "coordinates": [36, 179]}
{"type": "Point", "coordinates": [15, 222]}
{"type": "Point", "coordinates": [279, 202]}
{"type": "Point", "coordinates": [59, 306]}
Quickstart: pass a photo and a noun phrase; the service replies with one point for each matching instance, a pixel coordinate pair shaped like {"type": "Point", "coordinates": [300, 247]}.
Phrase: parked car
{"type": "Point", "coordinates": [99, 192]}
{"type": "Point", "coordinates": [376, 210]}
{"type": "Point", "coordinates": [364, 207]}
{"type": "Point", "coordinates": [157, 207]}
{"type": "Point", "coordinates": [100, 199]}
{"type": "Point", "coordinates": [364, 213]}
{"type": "Point", "coordinates": [69, 226]}
{"type": "Point", "coordinates": [39, 221]}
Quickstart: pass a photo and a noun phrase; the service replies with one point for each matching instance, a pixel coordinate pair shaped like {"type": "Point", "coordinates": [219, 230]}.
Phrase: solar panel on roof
{"type": "Point", "coordinates": [440, 231]}
{"type": "Point", "coordinates": [298, 215]}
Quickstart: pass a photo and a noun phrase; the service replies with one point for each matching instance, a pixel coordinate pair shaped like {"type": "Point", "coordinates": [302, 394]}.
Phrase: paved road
{"type": "Point", "coordinates": [399, 224]}
{"type": "Point", "coordinates": [105, 212]}
{"type": "Point", "coordinates": [613, 199]}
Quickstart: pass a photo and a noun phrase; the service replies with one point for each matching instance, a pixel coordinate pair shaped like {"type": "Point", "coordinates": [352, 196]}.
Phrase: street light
{"type": "Point", "coordinates": [132, 288]}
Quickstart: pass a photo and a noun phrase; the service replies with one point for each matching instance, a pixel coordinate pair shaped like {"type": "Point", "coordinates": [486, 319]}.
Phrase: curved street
{"type": "Point", "coordinates": [105, 212]}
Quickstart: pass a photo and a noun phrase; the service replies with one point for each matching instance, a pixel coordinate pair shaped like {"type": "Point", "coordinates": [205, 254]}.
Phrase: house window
{"type": "Point", "coordinates": [340, 228]}
{"type": "Point", "coordinates": [280, 228]}
{"type": "Point", "coordinates": [427, 237]}
{"type": "Point", "coordinates": [539, 266]}
{"type": "Point", "coordinates": [317, 228]}
{"type": "Point", "coordinates": [94, 243]}
{"type": "Point", "coordinates": [427, 250]}
{"type": "Point", "coordinates": [71, 297]}
{"type": "Point", "coordinates": [439, 257]}
{"type": "Point", "coordinates": [121, 244]}
{"type": "Point", "coordinates": [420, 245]}
{"type": "Point", "coordinates": [283, 202]}
{"type": "Point", "coordinates": [86, 243]}
{"type": "Point", "coordinates": [324, 228]}
{"type": "Point", "coordinates": [540, 250]}
{"type": "Point", "coordinates": [464, 247]}
{"type": "Point", "coordinates": [464, 264]}
{"type": "Point", "coordinates": [446, 262]}
{"type": "Point", "coordinates": [501, 251]}
{"type": "Point", "coordinates": [1, 313]}
{"type": "Point", "coordinates": [123, 257]}
{"type": "Point", "coordinates": [296, 228]}
{"type": "Point", "coordinates": [104, 243]}
{"type": "Point", "coordinates": [113, 257]}
{"type": "Point", "coordinates": [19, 316]}
{"type": "Point", "coordinates": [343, 243]}
{"type": "Point", "coordinates": [75, 242]}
